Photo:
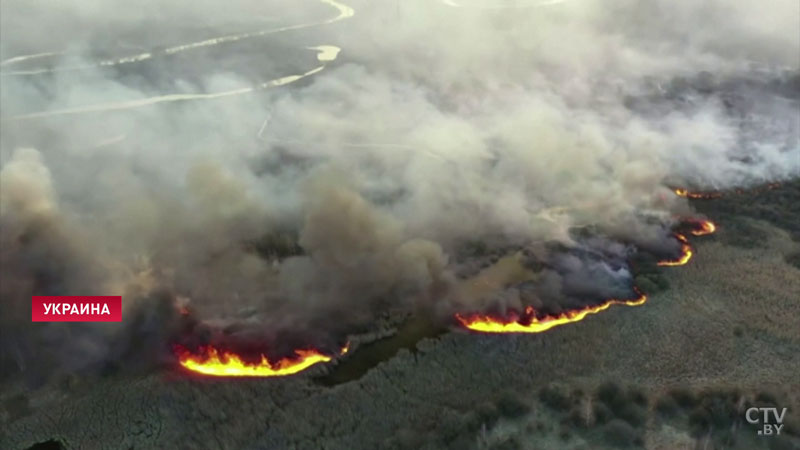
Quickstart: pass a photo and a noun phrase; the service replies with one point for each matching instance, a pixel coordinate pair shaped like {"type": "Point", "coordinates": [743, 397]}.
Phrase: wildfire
{"type": "Point", "coordinates": [686, 253]}
{"type": "Point", "coordinates": [529, 323]}
{"type": "Point", "coordinates": [227, 364]}
{"type": "Point", "coordinates": [695, 195]}
{"type": "Point", "coordinates": [705, 227]}
{"type": "Point", "coordinates": [702, 228]}
{"type": "Point", "coordinates": [687, 194]}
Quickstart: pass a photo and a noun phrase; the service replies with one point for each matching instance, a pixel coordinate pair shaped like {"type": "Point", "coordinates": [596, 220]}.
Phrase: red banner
{"type": "Point", "coordinates": [76, 308]}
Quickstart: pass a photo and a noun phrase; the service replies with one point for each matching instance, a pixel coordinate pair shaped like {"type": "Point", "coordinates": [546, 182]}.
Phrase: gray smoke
{"type": "Point", "coordinates": [221, 159]}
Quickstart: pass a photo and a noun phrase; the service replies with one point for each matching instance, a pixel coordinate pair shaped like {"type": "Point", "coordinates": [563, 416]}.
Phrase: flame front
{"type": "Point", "coordinates": [686, 194]}
{"type": "Point", "coordinates": [227, 364]}
{"type": "Point", "coordinates": [703, 227]}
{"type": "Point", "coordinates": [706, 227]}
{"type": "Point", "coordinates": [529, 323]}
{"type": "Point", "coordinates": [686, 253]}
{"type": "Point", "coordinates": [489, 324]}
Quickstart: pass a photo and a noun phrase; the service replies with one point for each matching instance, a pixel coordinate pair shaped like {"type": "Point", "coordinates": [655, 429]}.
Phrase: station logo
{"type": "Point", "coordinates": [770, 419]}
{"type": "Point", "coordinates": [77, 308]}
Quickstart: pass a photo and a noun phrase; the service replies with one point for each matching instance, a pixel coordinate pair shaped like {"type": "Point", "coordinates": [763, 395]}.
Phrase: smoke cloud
{"type": "Point", "coordinates": [291, 173]}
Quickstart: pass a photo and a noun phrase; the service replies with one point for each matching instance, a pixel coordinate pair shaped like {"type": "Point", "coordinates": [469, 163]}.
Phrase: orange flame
{"type": "Point", "coordinates": [706, 227]}
{"type": "Point", "coordinates": [686, 253]}
{"type": "Point", "coordinates": [757, 190]}
{"type": "Point", "coordinates": [489, 324]}
{"type": "Point", "coordinates": [687, 194]}
{"type": "Point", "coordinates": [703, 227]}
{"type": "Point", "coordinates": [529, 323]}
{"type": "Point", "coordinates": [227, 364]}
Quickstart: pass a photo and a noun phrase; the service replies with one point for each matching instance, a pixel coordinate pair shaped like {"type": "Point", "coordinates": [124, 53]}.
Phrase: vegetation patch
{"type": "Point", "coordinates": [555, 396]}
{"type": "Point", "coordinates": [716, 417]}
{"type": "Point", "coordinates": [648, 276]}
{"type": "Point", "coordinates": [612, 402]}
{"type": "Point", "coordinates": [277, 246]}
{"type": "Point", "coordinates": [51, 444]}
{"type": "Point", "coordinates": [509, 405]}
{"type": "Point", "coordinates": [621, 434]}
{"type": "Point", "coordinates": [777, 204]}
{"type": "Point", "coordinates": [793, 259]}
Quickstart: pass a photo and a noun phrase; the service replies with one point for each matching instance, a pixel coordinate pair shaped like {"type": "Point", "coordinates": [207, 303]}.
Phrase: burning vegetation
{"type": "Point", "coordinates": [532, 322]}
{"type": "Point", "coordinates": [221, 363]}
{"type": "Point", "coordinates": [704, 227]}
{"type": "Point", "coordinates": [685, 193]}
{"type": "Point", "coordinates": [528, 322]}
{"type": "Point", "coordinates": [212, 361]}
{"type": "Point", "coordinates": [686, 253]}
{"type": "Point", "coordinates": [256, 201]}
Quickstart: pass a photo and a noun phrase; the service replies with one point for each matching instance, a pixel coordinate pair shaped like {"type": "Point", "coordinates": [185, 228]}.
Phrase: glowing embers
{"type": "Point", "coordinates": [214, 362]}
{"type": "Point", "coordinates": [680, 192]}
{"type": "Point", "coordinates": [529, 323]}
{"type": "Point", "coordinates": [686, 194]}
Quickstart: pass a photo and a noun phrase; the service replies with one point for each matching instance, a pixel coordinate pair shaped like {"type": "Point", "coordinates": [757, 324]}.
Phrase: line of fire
{"type": "Point", "coordinates": [211, 361]}
{"type": "Point", "coordinates": [529, 322]}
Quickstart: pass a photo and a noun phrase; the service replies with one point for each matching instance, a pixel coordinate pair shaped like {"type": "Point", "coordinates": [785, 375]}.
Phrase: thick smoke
{"type": "Point", "coordinates": [142, 156]}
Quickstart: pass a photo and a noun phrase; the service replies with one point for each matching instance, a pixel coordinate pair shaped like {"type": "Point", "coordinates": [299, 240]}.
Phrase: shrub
{"type": "Point", "coordinates": [699, 421]}
{"type": "Point", "coordinates": [726, 438]}
{"type": "Point", "coordinates": [485, 414]}
{"type": "Point", "coordinates": [766, 398]}
{"type": "Point", "coordinates": [17, 406]}
{"type": "Point", "coordinates": [52, 444]}
{"type": "Point", "coordinates": [629, 405]}
{"type": "Point", "coordinates": [601, 413]}
{"type": "Point", "coordinates": [555, 397]}
{"type": "Point", "coordinates": [451, 427]}
{"type": "Point", "coordinates": [683, 397]}
{"type": "Point", "coordinates": [645, 285]}
{"type": "Point", "coordinates": [277, 245]}
{"type": "Point", "coordinates": [575, 419]}
{"type": "Point", "coordinates": [407, 439]}
{"type": "Point", "coordinates": [781, 442]}
{"type": "Point", "coordinates": [511, 406]}
{"type": "Point", "coordinates": [609, 393]}
{"type": "Point", "coordinates": [633, 414]}
{"type": "Point", "coordinates": [740, 233]}
{"type": "Point", "coordinates": [794, 259]}
{"type": "Point", "coordinates": [576, 396]}
{"type": "Point", "coordinates": [637, 396]}
{"type": "Point", "coordinates": [509, 443]}
{"type": "Point", "coordinates": [721, 406]}
{"type": "Point", "coordinates": [620, 434]}
{"type": "Point", "coordinates": [667, 406]}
